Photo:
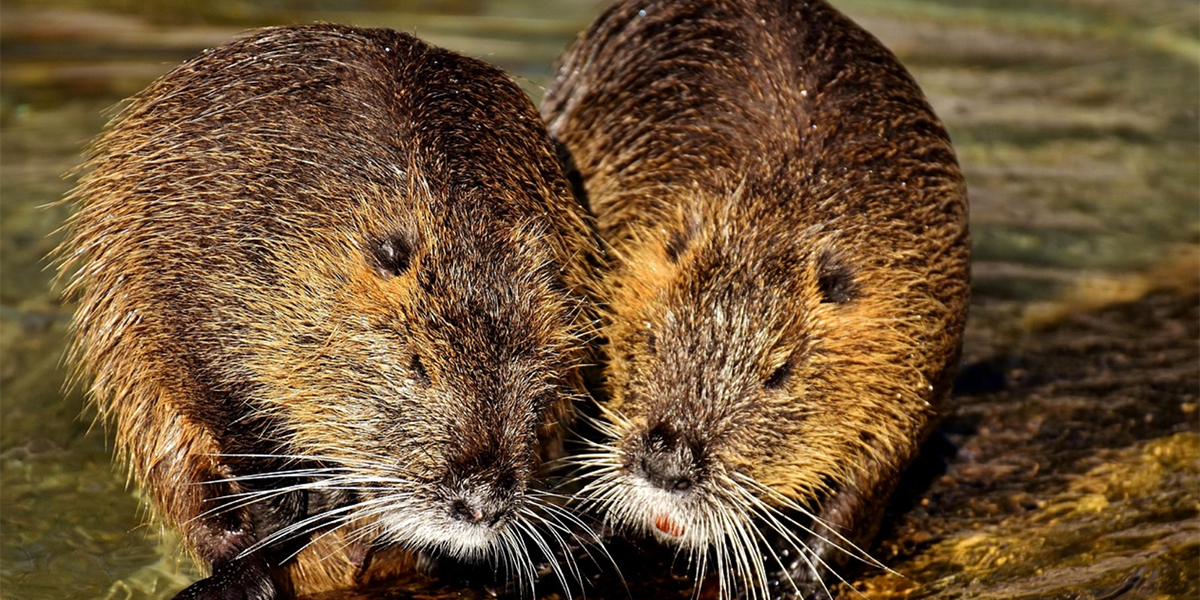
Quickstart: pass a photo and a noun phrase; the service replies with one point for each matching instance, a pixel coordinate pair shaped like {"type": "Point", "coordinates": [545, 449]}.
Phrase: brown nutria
{"type": "Point", "coordinates": [331, 289]}
{"type": "Point", "coordinates": [790, 277]}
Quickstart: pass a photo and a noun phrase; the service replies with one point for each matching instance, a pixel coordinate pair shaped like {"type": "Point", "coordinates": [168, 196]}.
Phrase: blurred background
{"type": "Point", "coordinates": [1076, 125]}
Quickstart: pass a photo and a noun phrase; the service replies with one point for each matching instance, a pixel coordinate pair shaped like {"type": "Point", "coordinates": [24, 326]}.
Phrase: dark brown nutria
{"type": "Point", "coordinates": [790, 278]}
{"type": "Point", "coordinates": [331, 288]}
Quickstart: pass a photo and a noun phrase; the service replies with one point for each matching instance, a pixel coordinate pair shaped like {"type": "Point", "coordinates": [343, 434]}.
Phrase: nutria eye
{"type": "Point", "coordinates": [779, 377]}
{"type": "Point", "coordinates": [835, 280]}
{"type": "Point", "coordinates": [418, 370]}
{"type": "Point", "coordinates": [393, 255]}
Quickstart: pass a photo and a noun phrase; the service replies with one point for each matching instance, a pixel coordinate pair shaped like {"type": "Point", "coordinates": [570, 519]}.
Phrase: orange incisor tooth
{"type": "Point", "coordinates": [668, 525]}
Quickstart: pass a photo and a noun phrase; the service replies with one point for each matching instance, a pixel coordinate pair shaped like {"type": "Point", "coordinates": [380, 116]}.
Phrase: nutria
{"type": "Point", "coordinates": [789, 281]}
{"type": "Point", "coordinates": [332, 298]}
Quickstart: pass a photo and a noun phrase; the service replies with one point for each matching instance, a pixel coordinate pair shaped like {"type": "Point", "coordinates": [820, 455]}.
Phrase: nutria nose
{"type": "Point", "coordinates": [477, 512]}
{"type": "Point", "coordinates": [670, 459]}
{"type": "Point", "coordinates": [666, 470]}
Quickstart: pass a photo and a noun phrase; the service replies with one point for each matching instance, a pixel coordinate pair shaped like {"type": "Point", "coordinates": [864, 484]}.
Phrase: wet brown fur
{"type": "Point", "coordinates": [790, 278]}
{"type": "Point", "coordinates": [237, 315]}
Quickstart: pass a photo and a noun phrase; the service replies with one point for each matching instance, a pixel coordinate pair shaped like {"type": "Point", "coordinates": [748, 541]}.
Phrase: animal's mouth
{"type": "Point", "coordinates": [459, 527]}
{"type": "Point", "coordinates": [480, 514]}
{"type": "Point", "coordinates": [665, 515]}
{"type": "Point", "coordinates": [668, 525]}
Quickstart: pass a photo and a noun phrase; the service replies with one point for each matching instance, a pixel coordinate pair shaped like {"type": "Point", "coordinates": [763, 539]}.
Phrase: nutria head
{"type": "Point", "coordinates": [332, 277]}
{"type": "Point", "coordinates": [757, 377]}
{"type": "Point", "coordinates": [788, 224]}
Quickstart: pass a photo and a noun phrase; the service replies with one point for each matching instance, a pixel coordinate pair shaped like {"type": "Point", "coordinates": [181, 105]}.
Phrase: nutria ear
{"type": "Point", "coordinates": [393, 254]}
{"type": "Point", "coordinates": [681, 239]}
{"type": "Point", "coordinates": [679, 243]}
{"type": "Point", "coordinates": [417, 370]}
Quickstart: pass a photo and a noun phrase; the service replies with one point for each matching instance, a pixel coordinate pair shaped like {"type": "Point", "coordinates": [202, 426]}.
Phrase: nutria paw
{"type": "Point", "coordinates": [245, 578]}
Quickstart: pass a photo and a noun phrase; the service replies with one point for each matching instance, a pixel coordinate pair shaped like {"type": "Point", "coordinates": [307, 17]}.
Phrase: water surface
{"type": "Point", "coordinates": [1076, 124]}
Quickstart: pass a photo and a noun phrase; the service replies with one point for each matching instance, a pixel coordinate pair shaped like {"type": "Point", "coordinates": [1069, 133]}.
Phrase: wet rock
{"type": "Point", "coordinates": [1076, 465]}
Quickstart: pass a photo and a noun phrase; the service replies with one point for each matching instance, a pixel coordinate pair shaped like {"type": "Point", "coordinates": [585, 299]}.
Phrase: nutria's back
{"type": "Point", "coordinates": [711, 94]}
{"type": "Point", "coordinates": [342, 254]}
{"type": "Point", "coordinates": [790, 282]}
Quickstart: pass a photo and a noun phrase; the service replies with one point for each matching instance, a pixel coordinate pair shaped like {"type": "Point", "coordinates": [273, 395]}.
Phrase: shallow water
{"type": "Point", "coordinates": [1076, 123]}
